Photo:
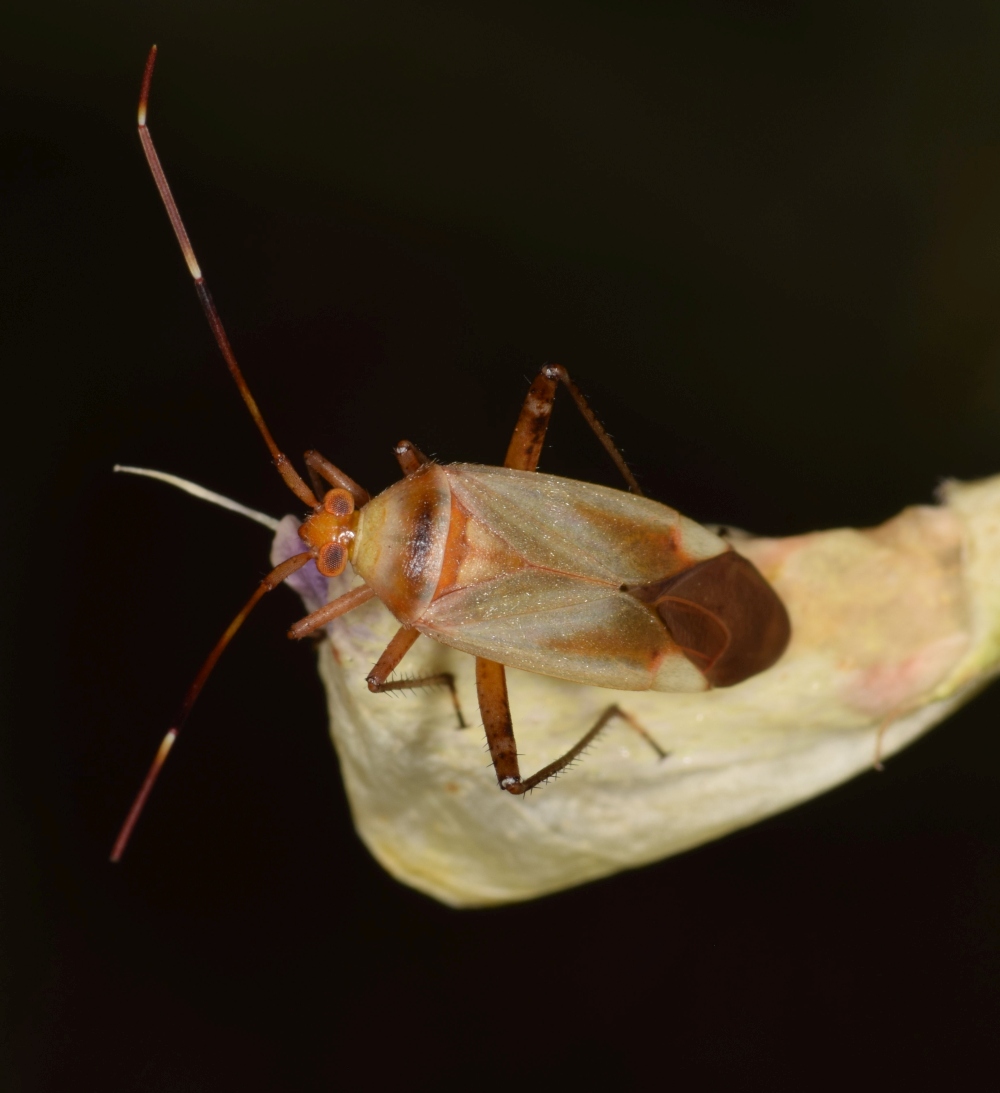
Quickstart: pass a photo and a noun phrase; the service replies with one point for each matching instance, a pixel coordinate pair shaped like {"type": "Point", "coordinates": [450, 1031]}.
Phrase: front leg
{"type": "Point", "coordinates": [321, 468]}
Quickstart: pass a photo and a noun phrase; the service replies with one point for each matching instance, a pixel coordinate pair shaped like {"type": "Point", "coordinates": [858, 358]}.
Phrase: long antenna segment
{"type": "Point", "coordinates": [280, 573]}
{"type": "Point", "coordinates": [292, 478]}
{"type": "Point", "coordinates": [287, 471]}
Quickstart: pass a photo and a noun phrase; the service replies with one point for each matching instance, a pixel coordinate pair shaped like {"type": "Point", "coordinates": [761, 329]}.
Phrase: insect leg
{"type": "Point", "coordinates": [410, 457]}
{"type": "Point", "coordinates": [317, 483]}
{"type": "Point", "coordinates": [491, 683]}
{"type": "Point", "coordinates": [525, 446]}
{"type": "Point", "coordinates": [389, 661]}
{"type": "Point", "coordinates": [634, 724]}
{"type": "Point", "coordinates": [336, 477]}
{"type": "Point", "coordinates": [280, 573]}
{"type": "Point", "coordinates": [330, 611]}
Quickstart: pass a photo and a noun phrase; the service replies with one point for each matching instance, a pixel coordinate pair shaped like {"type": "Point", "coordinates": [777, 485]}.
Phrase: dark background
{"type": "Point", "coordinates": [763, 237]}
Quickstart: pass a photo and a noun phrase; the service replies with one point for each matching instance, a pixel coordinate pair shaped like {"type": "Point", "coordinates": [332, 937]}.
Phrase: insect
{"type": "Point", "coordinates": [517, 568]}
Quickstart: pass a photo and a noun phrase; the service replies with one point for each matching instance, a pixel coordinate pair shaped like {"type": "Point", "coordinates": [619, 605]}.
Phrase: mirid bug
{"type": "Point", "coordinates": [517, 568]}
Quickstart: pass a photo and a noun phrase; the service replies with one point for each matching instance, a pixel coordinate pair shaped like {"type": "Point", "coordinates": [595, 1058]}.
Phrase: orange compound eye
{"type": "Point", "coordinates": [331, 560]}
{"type": "Point", "coordinates": [338, 502]}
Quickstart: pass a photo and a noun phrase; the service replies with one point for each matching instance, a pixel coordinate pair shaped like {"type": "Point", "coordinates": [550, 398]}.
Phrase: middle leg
{"type": "Point", "coordinates": [378, 678]}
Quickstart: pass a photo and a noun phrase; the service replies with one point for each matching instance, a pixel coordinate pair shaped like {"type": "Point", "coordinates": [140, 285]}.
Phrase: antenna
{"type": "Point", "coordinates": [292, 478]}
{"type": "Point", "coordinates": [281, 461]}
{"type": "Point", "coordinates": [272, 580]}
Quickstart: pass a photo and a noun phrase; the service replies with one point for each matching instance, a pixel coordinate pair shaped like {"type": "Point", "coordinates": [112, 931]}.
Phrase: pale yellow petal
{"type": "Point", "coordinates": [893, 627]}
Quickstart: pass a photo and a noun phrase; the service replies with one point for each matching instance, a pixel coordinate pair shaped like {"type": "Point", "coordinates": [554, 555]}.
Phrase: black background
{"type": "Point", "coordinates": [763, 237]}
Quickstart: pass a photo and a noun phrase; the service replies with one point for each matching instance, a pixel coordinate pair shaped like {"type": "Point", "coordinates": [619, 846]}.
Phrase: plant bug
{"type": "Point", "coordinates": [550, 575]}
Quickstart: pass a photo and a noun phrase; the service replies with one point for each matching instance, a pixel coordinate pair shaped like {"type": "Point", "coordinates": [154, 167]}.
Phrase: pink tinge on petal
{"type": "Point", "coordinates": [308, 582]}
{"type": "Point", "coordinates": [882, 689]}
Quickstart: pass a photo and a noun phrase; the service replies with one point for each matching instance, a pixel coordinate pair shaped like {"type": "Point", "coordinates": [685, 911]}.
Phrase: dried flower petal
{"type": "Point", "coordinates": [893, 628]}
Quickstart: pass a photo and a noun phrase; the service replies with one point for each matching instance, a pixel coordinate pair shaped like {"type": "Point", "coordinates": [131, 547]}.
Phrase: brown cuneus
{"type": "Point", "coordinates": [517, 568]}
{"type": "Point", "coordinates": [724, 615]}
